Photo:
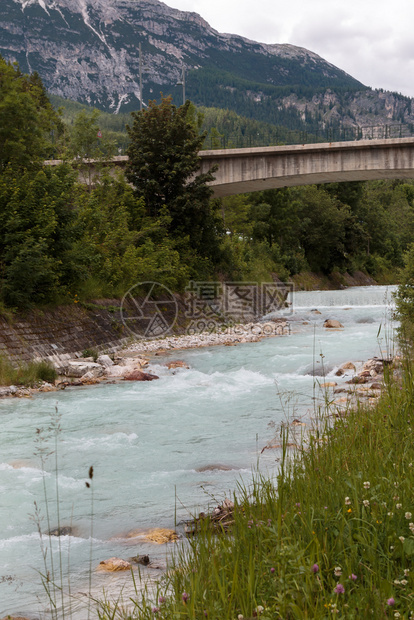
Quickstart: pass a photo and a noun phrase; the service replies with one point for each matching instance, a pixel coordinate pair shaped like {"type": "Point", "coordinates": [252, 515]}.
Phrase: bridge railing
{"type": "Point", "coordinates": [336, 134]}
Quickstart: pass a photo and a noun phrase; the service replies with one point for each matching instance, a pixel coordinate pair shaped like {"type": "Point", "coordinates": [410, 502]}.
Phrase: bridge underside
{"type": "Point", "coordinates": [249, 170]}
{"type": "Point", "coordinates": [257, 185]}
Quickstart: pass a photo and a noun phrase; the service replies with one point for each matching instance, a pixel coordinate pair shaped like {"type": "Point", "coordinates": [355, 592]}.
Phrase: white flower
{"type": "Point", "coordinates": [390, 514]}
{"type": "Point", "coordinates": [403, 582]}
{"type": "Point", "coordinates": [240, 617]}
{"type": "Point", "coordinates": [398, 506]}
{"type": "Point", "coordinates": [397, 614]}
{"type": "Point", "coordinates": [259, 609]}
{"type": "Point", "coordinates": [410, 464]}
{"type": "Point", "coordinates": [347, 501]}
{"type": "Point", "coordinates": [392, 547]}
{"type": "Point", "coordinates": [408, 515]}
{"type": "Point", "coordinates": [411, 526]}
{"type": "Point", "coordinates": [396, 484]}
{"type": "Point", "coordinates": [338, 571]}
{"type": "Point", "coordinates": [401, 538]}
{"type": "Point", "coordinates": [366, 503]}
{"type": "Point", "coordinates": [406, 571]}
{"type": "Point", "coordinates": [367, 485]}
{"type": "Point", "coordinates": [397, 582]}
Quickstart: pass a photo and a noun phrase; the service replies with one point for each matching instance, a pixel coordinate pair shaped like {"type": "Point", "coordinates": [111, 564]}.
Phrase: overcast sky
{"type": "Point", "coordinates": [372, 40]}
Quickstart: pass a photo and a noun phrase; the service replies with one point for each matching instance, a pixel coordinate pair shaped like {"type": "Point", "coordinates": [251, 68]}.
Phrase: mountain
{"type": "Point", "coordinates": [88, 51]}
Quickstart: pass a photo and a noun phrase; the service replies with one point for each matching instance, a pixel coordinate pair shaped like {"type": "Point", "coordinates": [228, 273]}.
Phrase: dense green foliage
{"type": "Point", "coordinates": [63, 241]}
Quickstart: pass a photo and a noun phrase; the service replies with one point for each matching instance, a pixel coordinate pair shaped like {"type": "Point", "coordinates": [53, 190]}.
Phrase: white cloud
{"type": "Point", "coordinates": [369, 39]}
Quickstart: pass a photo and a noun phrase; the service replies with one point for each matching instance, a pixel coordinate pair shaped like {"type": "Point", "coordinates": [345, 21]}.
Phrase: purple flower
{"type": "Point", "coordinates": [162, 599]}
{"type": "Point", "coordinates": [353, 577]}
{"type": "Point", "coordinates": [272, 570]}
{"type": "Point", "coordinates": [185, 597]}
{"type": "Point", "coordinates": [391, 601]}
{"type": "Point", "coordinates": [315, 568]}
{"type": "Point", "coordinates": [339, 589]}
{"type": "Point", "coordinates": [155, 610]}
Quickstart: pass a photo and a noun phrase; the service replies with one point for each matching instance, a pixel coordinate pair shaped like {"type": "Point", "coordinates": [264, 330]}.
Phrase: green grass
{"type": "Point", "coordinates": [339, 513]}
{"type": "Point", "coordinates": [26, 374]}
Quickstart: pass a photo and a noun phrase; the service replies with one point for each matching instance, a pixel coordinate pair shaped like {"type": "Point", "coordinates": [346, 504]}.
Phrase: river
{"type": "Point", "coordinates": [146, 441]}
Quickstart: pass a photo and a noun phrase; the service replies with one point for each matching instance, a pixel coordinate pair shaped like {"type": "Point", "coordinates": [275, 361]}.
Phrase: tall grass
{"type": "Point", "coordinates": [26, 374]}
{"type": "Point", "coordinates": [332, 535]}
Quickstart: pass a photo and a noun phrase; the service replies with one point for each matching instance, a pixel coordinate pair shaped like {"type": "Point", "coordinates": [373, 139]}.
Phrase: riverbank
{"type": "Point", "coordinates": [335, 538]}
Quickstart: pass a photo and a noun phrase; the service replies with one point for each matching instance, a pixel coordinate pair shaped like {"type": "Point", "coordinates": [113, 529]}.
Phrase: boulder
{"type": "Point", "coordinates": [105, 361]}
{"type": "Point", "coordinates": [161, 536]}
{"type": "Point", "coordinates": [348, 366]}
{"type": "Point", "coordinates": [358, 380]}
{"type": "Point", "coordinates": [332, 324]}
{"type": "Point", "coordinates": [89, 378]}
{"type": "Point", "coordinates": [328, 384]}
{"type": "Point", "coordinates": [140, 559]}
{"type": "Point", "coordinates": [315, 311]}
{"type": "Point", "coordinates": [79, 368]}
{"type": "Point", "coordinates": [376, 386]}
{"type": "Point", "coordinates": [65, 530]}
{"type": "Point", "coordinates": [114, 565]}
{"type": "Point", "coordinates": [138, 375]}
{"type": "Point", "coordinates": [177, 364]}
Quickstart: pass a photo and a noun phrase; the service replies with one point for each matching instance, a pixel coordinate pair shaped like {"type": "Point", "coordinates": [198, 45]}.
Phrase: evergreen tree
{"type": "Point", "coordinates": [163, 167]}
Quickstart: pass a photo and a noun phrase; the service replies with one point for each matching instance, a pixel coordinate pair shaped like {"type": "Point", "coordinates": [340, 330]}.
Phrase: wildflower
{"type": "Point", "coordinates": [338, 571]}
{"type": "Point", "coordinates": [259, 609]}
{"type": "Point", "coordinates": [367, 485]}
{"type": "Point", "coordinates": [325, 507]}
{"type": "Point", "coordinates": [406, 571]}
{"type": "Point", "coordinates": [411, 526]}
{"type": "Point", "coordinates": [397, 614]}
{"type": "Point", "coordinates": [339, 589]}
{"type": "Point", "coordinates": [366, 503]}
{"type": "Point", "coordinates": [272, 570]}
{"type": "Point", "coordinates": [155, 610]}
{"type": "Point", "coordinates": [390, 514]}
{"type": "Point", "coordinates": [403, 582]}
{"type": "Point", "coordinates": [240, 617]}
{"type": "Point", "coordinates": [347, 501]}
{"type": "Point", "coordinates": [349, 510]}
{"type": "Point", "coordinates": [401, 538]}
{"type": "Point", "coordinates": [397, 582]}
{"type": "Point", "coordinates": [398, 506]}
{"type": "Point", "coordinates": [162, 600]}
{"type": "Point", "coordinates": [315, 568]}
{"type": "Point", "coordinates": [408, 515]}
{"type": "Point", "coordinates": [392, 547]}
{"type": "Point", "coordinates": [353, 577]}
{"type": "Point", "coordinates": [185, 597]}
{"type": "Point", "coordinates": [396, 485]}
{"type": "Point", "coordinates": [391, 602]}
{"type": "Point", "coordinates": [410, 464]}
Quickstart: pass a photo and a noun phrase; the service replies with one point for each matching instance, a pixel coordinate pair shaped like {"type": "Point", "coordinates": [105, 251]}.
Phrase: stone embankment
{"type": "Point", "coordinates": [129, 364]}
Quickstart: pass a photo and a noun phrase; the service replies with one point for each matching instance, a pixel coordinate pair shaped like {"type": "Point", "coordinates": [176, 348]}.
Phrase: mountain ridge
{"type": "Point", "coordinates": [98, 40]}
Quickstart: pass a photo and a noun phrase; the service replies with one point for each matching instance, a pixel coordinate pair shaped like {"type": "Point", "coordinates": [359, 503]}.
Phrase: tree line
{"type": "Point", "coordinates": [63, 241]}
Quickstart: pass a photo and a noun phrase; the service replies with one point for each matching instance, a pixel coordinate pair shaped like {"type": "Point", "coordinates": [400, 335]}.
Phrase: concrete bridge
{"type": "Point", "coordinates": [255, 169]}
{"type": "Point", "coordinates": [270, 167]}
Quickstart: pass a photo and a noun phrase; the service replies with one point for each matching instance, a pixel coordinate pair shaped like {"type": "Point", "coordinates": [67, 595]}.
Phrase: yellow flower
{"type": "Point", "coordinates": [349, 510]}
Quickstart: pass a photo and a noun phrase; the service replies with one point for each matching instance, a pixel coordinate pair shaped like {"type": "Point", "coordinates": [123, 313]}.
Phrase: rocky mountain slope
{"type": "Point", "coordinates": [87, 50]}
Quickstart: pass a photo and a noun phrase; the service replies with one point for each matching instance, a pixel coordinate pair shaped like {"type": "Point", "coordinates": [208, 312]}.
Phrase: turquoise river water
{"type": "Point", "coordinates": [146, 441]}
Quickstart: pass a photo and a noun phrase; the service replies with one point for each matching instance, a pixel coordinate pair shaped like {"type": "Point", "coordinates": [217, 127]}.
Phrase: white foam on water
{"type": "Point", "coordinates": [146, 440]}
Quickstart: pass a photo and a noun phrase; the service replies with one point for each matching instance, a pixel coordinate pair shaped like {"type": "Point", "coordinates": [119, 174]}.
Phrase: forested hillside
{"type": "Point", "coordinates": [62, 242]}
